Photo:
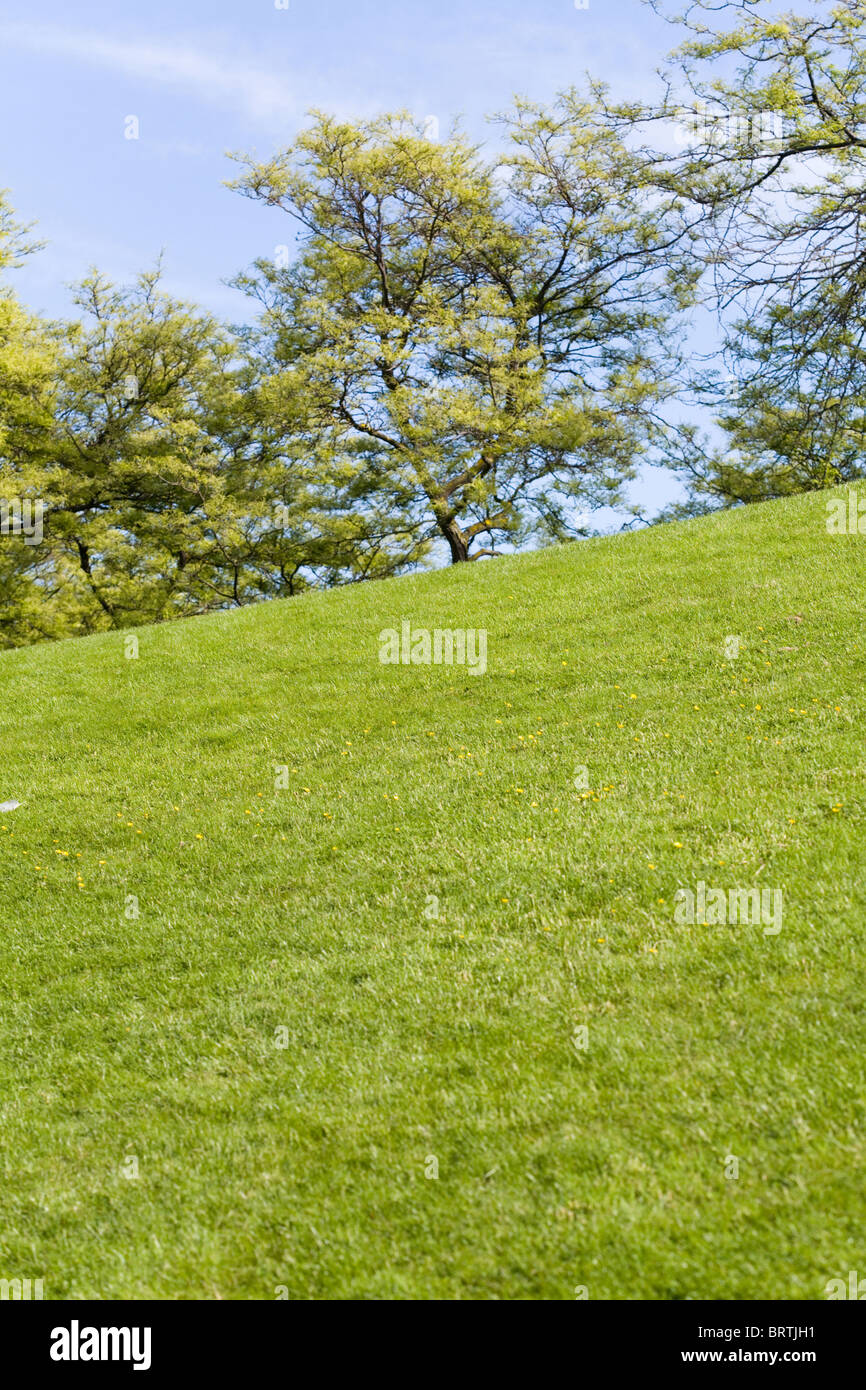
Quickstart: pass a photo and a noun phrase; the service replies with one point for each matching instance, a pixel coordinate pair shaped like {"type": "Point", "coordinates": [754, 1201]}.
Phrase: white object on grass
{"type": "Point", "coordinates": [8, 806]}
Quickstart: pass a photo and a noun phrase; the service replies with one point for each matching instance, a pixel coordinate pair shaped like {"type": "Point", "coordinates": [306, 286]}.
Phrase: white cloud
{"type": "Point", "coordinates": [260, 94]}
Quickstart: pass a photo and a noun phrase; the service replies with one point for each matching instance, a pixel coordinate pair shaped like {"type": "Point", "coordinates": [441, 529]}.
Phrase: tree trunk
{"type": "Point", "coordinates": [456, 540]}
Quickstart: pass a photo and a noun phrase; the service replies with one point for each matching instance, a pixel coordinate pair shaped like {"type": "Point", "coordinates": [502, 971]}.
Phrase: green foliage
{"type": "Point", "coordinates": [142, 428]}
{"type": "Point", "coordinates": [468, 349]}
{"type": "Point", "coordinates": [484, 339]}
{"type": "Point", "coordinates": [27, 381]}
{"type": "Point", "coordinates": [777, 102]}
{"type": "Point", "coordinates": [462, 349]}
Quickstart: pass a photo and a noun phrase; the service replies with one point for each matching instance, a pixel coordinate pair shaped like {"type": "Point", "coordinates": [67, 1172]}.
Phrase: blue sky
{"type": "Point", "coordinates": [203, 77]}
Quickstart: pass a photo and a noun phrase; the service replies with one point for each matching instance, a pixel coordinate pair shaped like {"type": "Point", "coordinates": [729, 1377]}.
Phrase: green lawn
{"type": "Point", "coordinates": [298, 1159]}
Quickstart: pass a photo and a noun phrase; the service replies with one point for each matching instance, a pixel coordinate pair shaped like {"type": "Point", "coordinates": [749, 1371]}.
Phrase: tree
{"type": "Point", "coordinates": [136, 478]}
{"type": "Point", "coordinates": [145, 432]}
{"type": "Point", "coordinates": [776, 106]}
{"type": "Point", "coordinates": [27, 361]}
{"type": "Point", "coordinates": [477, 342]}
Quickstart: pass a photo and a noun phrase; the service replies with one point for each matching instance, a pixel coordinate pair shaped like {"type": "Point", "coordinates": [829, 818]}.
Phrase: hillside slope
{"type": "Point", "coordinates": [293, 1005]}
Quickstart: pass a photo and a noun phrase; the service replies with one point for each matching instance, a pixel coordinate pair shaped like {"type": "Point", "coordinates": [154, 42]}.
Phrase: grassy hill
{"type": "Point", "coordinates": [334, 987]}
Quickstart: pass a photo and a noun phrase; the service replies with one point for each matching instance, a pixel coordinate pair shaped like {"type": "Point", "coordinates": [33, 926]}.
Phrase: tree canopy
{"type": "Point", "coordinates": [486, 339]}
{"type": "Point", "coordinates": [458, 348]}
{"type": "Point", "coordinates": [775, 103]}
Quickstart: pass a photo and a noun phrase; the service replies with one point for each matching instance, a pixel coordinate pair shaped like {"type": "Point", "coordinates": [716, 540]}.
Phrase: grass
{"type": "Point", "coordinates": [288, 1040]}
